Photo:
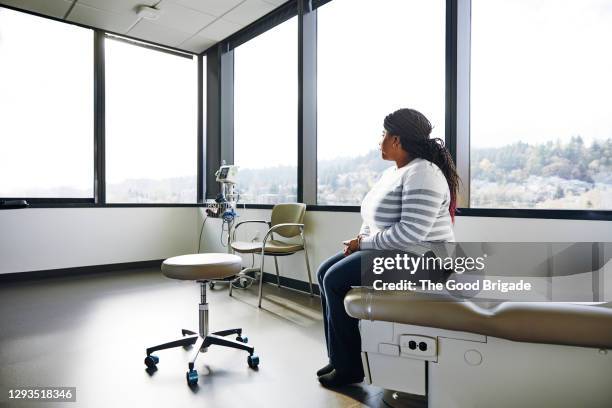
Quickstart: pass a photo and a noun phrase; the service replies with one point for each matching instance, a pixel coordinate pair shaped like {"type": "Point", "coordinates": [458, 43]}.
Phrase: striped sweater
{"type": "Point", "coordinates": [407, 205]}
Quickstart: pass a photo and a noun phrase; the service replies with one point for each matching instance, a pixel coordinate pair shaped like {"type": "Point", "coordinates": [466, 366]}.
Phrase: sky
{"type": "Point", "coordinates": [373, 61]}
{"type": "Point", "coordinates": [151, 108]}
{"type": "Point", "coordinates": [151, 113]}
{"type": "Point", "coordinates": [39, 84]}
{"type": "Point", "coordinates": [540, 71]}
{"type": "Point", "coordinates": [265, 98]}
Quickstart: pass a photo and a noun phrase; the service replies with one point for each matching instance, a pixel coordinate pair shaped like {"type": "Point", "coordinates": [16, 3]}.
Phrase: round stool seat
{"type": "Point", "coordinates": [202, 266]}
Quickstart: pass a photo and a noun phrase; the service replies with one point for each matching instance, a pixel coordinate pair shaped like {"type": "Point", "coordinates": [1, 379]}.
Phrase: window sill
{"type": "Point", "coordinates": [594, 215]}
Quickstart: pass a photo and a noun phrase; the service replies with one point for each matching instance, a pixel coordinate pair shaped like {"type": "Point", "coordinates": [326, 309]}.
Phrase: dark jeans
{"type": "Point", "coordinates": [336, 275]}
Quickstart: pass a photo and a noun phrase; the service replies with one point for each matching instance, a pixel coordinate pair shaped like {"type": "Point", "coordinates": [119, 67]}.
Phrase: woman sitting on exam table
{"type": "Point", "coordinates": [414, 201]}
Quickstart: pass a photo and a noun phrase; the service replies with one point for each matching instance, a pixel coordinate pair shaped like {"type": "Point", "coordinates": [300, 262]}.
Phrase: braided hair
{"type": "Point", "coordinates": [413, 130]}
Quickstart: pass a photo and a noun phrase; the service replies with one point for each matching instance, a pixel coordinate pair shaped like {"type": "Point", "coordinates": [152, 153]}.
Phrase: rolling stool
{"type": "Point", "coordinates": [202, 268]}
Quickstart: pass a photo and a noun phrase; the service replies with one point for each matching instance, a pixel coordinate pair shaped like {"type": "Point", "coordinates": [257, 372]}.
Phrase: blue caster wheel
{"type": "Point", "coordinates": [253, 361]}
{"type": "Point", "coordinates": [192, 377]}
{"type": "Point", "coordinates": [241, 339]}
{"type": "Point", "coordinates": [151, 361]}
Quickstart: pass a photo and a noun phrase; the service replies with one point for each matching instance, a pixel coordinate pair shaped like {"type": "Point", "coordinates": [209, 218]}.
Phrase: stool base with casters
{"type": "Point", "coordinates": [202, 339]}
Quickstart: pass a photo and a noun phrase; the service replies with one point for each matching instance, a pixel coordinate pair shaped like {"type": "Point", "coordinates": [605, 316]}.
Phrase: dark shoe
{"type": "Point", "coordinates": [325, 370]}
{"type": "Point", "coordinates": [338, 379]}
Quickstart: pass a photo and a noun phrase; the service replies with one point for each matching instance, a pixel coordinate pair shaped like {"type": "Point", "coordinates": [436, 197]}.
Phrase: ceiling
{"type": "Point", "coordinates": [190, 25]}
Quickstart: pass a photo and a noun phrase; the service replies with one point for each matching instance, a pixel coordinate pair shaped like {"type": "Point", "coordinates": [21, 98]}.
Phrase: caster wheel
{"type": "Point", "coordinates": [244, 339]}
{"type": "Point", "coordinates": [211, 285]}
{"type": "Point", "coordinates": [192, 377]}
{"type": "Point", "coordinates": [241, 283]}
{"type": "Point", "coordinates": [151, 361]}
{"type": "Point", "coordinates": [253, 361]}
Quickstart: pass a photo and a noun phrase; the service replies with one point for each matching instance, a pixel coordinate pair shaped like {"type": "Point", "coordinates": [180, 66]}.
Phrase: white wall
{"type": "Point", "coordinates": [52, 238]}
{"type": "Point", "coordinates": [325, 232]}
{"type": "Point", "coordinates": [41, 239]}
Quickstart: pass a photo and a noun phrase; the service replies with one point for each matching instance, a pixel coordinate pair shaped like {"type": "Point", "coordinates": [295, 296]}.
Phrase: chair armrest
{"type": "Point", "coordinates": [247, 222]}
{"type": "Point", "coordinates": [287, 224]}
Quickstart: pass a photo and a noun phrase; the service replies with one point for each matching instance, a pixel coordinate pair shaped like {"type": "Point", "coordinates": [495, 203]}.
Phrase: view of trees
{"type": "Point", "coordinates": [559, 175]}
{"type": "Point", "coordinates": [553, 175]}
{"type": "Point", "coordinates": [269, 185]}
{"type": "Point", "coordinates": [170, 190]}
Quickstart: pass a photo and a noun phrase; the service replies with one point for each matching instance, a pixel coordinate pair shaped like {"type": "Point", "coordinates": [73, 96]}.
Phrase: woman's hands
{"type": "Point", "coordinates": [351, 246]}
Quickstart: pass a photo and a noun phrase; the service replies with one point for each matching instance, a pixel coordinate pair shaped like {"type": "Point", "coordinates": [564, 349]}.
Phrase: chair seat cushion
{"type": "Point", "coordinates": [272, 247]}
{"type": "Point", "coordinates": [202, 266]}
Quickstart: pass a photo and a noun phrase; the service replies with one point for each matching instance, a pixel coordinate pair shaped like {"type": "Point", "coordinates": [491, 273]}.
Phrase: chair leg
{"type": "Point", "coordinates": [194, 357]}
{"type": "Point", "coordinates": [213, 339]}
{"type": "Point", "coordinates": [308, 269]}
{"type": "Point", "coordinates": [277, 273]}
{"type": "Point", "coordinates": [228, 332]}
{"type": "Point", "coordinates": [261, 273]}
{"type": "Point", "coordinates": [185, 341]}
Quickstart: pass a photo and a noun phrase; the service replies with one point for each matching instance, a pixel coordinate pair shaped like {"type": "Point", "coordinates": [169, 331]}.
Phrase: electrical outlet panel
{"type": "Point", "coordinates": [421, 347]}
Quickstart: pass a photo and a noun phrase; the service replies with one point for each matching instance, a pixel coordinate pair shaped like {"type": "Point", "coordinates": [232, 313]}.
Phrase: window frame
{"type": "Point", "coordinates": [459, 139]}
{"type": "Point", "coordinates": [457, 116]}
{"type": "Point", "coordinates": [100, 109]}
{"type": "Point", "coordinates": [43, 202]}
{"type": "Point", "coordinates": [99, 180]}
{"type": "Point", "coordinates": [218, 75]}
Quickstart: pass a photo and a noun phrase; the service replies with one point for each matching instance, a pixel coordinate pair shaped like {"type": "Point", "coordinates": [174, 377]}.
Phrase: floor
{"type": "Point", "coordinates": [91, 332]}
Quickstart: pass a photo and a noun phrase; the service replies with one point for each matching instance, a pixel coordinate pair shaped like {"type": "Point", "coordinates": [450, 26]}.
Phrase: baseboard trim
{"type": "Point", "coordinates": [286, 282]}
{"type": "Point", "coordinates": [291, 283]}
{"type": "Point", "coordinates": [76, 271]}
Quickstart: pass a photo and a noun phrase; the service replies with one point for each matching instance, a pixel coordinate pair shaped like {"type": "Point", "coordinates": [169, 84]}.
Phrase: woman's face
{"type": "Point", "coordinates": [388, 146]}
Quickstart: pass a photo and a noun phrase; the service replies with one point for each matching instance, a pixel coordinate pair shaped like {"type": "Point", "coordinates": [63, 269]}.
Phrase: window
{"type": "Point", "coordinates": [373, 60]}
{"type": "Point", "coordinates": [46, 108]}
{"type": "Point", "coordinates": [541, 92]}
{"type": "Point", "coordinates": [265, 115]}
{"type": "Point", "coordinates": [151, 125]}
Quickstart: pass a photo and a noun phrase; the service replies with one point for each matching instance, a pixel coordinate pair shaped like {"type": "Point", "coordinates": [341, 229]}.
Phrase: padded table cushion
{"type": "Point", "coordinates": [202, 266]}
{"type": "Point", "coordinates": [583, 325]}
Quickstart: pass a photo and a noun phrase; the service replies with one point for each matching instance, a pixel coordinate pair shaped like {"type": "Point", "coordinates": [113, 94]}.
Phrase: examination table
{"type": "Point", "coordinates": [446, 353]}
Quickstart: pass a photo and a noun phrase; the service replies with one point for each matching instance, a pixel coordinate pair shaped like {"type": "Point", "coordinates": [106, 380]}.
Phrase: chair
{"type": "Point", "coordinates": [202, 268]}
{"type": "Point", "coordinates": [287, 222]}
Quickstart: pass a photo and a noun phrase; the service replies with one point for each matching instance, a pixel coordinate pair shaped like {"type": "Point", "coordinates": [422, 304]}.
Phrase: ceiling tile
{"type": "Point", "coordinates": [214, 7]}
{"type": "Point", "coordinates": [197, 44]}
{"type": "Point", "coordinates": [53, 8]}
{"type": "Point", "coordinates": [118, 6]}
{"type": "Point", "coordinates": [156, 33]}
{"type": "Point", "coordinates": [248, 12]}
{"type": "Point", "coordinates": [106, 20]}
{"type": "Point", "coordinates": [220, 30]}
{"type": "Point", "coordinates": [182, 18]}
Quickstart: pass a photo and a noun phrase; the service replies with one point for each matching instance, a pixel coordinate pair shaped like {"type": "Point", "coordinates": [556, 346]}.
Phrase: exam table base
{"type": "Point", "coordinates": [470, 370]}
